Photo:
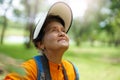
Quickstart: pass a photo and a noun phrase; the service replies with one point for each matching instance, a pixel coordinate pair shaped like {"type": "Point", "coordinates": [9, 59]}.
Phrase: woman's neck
{"type": "Point", "coordinates": [54, 56]}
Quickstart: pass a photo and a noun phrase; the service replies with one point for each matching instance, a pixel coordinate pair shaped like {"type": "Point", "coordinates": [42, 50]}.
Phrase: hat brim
{"type": "Point", "coordinates": [60, 9]}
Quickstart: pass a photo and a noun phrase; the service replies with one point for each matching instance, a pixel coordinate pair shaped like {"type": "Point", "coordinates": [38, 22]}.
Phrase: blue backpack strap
{"type": "Point", "coordinates": [65, 73]}
{"type": "Point", "coordinates": [43, 68]}
{"type": "Point", "coordinates": [46, 67]}
{"type": "Point", "coordinates": [76, 71]}
{"type": "Point", "coordinates": [40, 72]}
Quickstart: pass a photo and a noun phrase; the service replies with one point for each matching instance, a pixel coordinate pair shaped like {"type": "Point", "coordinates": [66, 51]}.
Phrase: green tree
{"type": "Point", "coordinates": [88, 28]}
{"type": "Point", "coordinates": [5, 8]}
{"type": "Point", "coordinates": [30, 11]}
{"type": "Point", "coordinates": [112, 23]}
{"type": "Point", "coordinates": [115, 22]}
{"type": "Point", "coordinates": [28, 14]}
{"type": "Point", "coordinates": [75, 29]}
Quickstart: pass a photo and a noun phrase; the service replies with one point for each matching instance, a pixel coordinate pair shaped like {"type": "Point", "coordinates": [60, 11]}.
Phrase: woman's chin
{"type": "Point", "coordinates": [64, 45]}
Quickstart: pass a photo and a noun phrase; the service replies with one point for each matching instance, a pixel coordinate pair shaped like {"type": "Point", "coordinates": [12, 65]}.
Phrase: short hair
{"type": "Point", "coordinates": [49, 19]}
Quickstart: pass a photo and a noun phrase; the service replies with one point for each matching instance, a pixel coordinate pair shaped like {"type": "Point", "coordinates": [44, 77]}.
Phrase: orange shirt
{"type": "Point", "coordinates": [55, 71]}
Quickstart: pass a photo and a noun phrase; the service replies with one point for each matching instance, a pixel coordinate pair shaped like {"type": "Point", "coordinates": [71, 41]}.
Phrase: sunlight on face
{"type": "Point", "coordinates": [55, 35]}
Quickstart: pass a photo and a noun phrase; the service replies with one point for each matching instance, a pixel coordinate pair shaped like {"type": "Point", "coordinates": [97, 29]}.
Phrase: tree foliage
{"type": "Point", "coordinates": [5, 8]}
{"type": "Point", "coordinates": [100, 23]}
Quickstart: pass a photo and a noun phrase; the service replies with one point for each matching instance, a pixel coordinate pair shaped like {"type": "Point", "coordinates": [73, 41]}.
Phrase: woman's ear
{"type": "Point", "coordinates": [40, 45]}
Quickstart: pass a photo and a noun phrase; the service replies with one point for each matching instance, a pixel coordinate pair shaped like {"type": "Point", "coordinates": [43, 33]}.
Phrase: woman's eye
{"type": "Point", "coordinates": [63, 30]}
{"type": "Point", "coordinates": [53, 30]}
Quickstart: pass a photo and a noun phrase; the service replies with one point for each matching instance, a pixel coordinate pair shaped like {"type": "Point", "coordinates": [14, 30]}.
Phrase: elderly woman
{"type": "Point", "coordinates": [51, 39]}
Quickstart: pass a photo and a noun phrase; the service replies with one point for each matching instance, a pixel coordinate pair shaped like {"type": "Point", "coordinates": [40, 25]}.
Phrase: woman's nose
{"type": "Point", "coordinates": [61, 33]}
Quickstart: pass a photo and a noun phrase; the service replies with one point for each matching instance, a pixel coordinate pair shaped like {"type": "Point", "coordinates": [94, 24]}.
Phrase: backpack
{"type": "Point", "coordinates": [43, 69]}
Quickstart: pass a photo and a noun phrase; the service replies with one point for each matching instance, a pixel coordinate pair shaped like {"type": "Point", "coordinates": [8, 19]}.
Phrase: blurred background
{"type": "Point", "coordinates": [94, 36]}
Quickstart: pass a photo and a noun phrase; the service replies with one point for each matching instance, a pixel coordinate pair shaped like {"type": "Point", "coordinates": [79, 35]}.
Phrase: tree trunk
{"type": "Point", "coordinates": [117, 43]}
{"type": "Point", "coordinates": [5, 22]}
{"type": "Point", "coordinates": [30, 30]}
{"type": "Point", "coordinates": [3, 30]}
{"type": "Point", "coordinates": [77, 41]}
{"type": "Point", "coordinates": [31, 13]}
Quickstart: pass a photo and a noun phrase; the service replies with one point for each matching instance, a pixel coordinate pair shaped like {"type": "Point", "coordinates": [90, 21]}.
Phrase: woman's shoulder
{"type": "Point", "coordinates": [29, 73]}
{"type": "Point", "coordinates": [71, 69]}
{"type": "Point", "coordinates": [67, 64]}
{"type": "Point", "coordinates": [29, 63]}
{"type": "Point", "coordinates": [30, 67]}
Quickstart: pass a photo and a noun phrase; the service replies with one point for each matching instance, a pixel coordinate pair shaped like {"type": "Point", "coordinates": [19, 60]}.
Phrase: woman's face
{"type": "Point", "coordinates": [55, 37]}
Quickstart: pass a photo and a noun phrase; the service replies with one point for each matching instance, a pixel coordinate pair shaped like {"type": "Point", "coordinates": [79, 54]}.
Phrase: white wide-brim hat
{"type": "Point", "coordinates": [60, 9]}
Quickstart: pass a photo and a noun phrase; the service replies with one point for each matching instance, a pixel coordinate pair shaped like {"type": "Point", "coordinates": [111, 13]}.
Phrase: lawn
{"type": "Point", "coordinates": [94, 63]}
{"type": "Point", "coordinates": [18, 51]}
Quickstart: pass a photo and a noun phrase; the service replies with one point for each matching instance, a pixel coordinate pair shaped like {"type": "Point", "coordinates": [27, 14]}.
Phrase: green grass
{"type": "Point", "coordinates": [101, 63]}
{"type": "Point", "coordinates": [18, 51]}
{"type": "Point", "coordinates": [98, 63]}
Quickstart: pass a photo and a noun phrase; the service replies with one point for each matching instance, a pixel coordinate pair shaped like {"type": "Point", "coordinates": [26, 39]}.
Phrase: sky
{"type": "Point", "coordinates": [78, 7]}
{"type": "Point", "coordinates": [15, 3]}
